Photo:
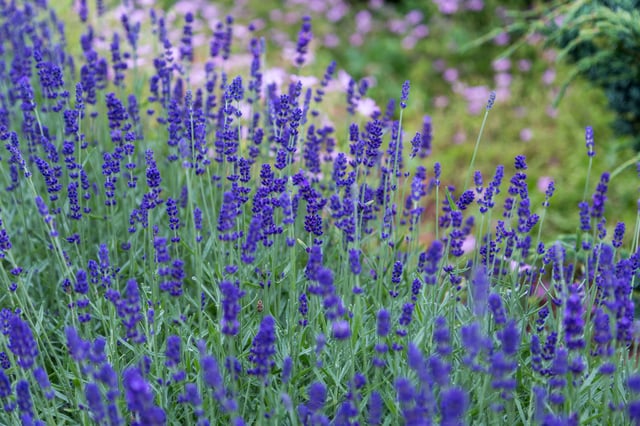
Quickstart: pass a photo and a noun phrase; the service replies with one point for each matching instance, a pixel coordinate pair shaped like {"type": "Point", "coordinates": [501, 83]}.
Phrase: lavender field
{"type": "Point", "coordinates": [196, 231]}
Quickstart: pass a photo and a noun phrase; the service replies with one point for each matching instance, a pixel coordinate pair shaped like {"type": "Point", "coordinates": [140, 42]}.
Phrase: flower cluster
{"type": "Point", "coordinates": [200, 246]}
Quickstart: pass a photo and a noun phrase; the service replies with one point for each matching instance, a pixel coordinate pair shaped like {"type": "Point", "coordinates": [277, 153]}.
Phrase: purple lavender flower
{"type": "Point", "coordinates": [497, 309]}
{"type": "Point", "coordinates": [78, 347]}
{"type": "Point", "coordinates": [354, 261]}
{"type": "Point", "coordinates": [304, 38]}
{"type": "Point", "coordinates": [375, 407]}
{"type": "Point", "coordinates": [442, 336]}
{"type": "Point", "coordinates": [227, 219]}
{"type": "Point", "coordinates": [139, 396]}
{"type": "Point", "coordinates": [492, 189]}
{"type": "Point", "coordinates": [303, 308]}
{"type": "Point", "coordinates": [21, 342]}
{"type": "Point", "coordinates": [599, 197]}
{"type": "Point", "coordinates": [510, 338]}
{"type": "Point", "coordinates": [43, 381]}
{"type": "Point", "coordinates": [585, 219]}
{"type": "Point", "coordinates": [94, 401]}
{"type": "Point", "coordinates": [23, 399]}
{"type": "Point", "coordinates": [480, 291]}
{"type": "Point", "coordinates": [588, 136]}
{"type": "Point", "coordinates": [548, 193]}
{"type": "Point", "coordinates": [173, 351]}
{"type": "Point", "coordinates": [618, 235]}
{"type": "Point", "coordinates": [129, 311]}
{"type": "Point", "coordinates": [383, 322]}
{"type": "Point", "coordinates": [432, 262]}
{"type": "Point", "coordinates": [340, 329]}
{"type": "Point", "coordinates": [186, 49]}
{"type": "Point", "coordinates": [263, 348]}
{"type": "Point", "coordinates": [453, 405]}
{"type": "Point", "coordinates": [407, 313]}
{"type": "Point", "coordinates": [405, 94]}
{"type": "Point", "coordinates": [573, 320]}
{"type": "Point", "coordinates": [231, 295]}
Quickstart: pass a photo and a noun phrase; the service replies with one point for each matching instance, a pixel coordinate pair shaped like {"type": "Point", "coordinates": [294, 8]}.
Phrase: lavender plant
{"type": "Point", "coordinates": [216, 248]}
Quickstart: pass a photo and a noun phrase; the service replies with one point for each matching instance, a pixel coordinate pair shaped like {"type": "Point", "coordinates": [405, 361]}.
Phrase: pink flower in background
{"type": "Point", "coordinates": [291, 18]}
{"type": "Point", "coordinates": [363, 21]}
{"type": "Point", "coordinates": [376, 4]}
{"type": "Point", "coordinates": [306, 80]}
{"type": "Point", "coordinates": [315, 6]}
{"type": "Point", "coordinates": [276, 15]}
{"type": "Point", "coordinates": [396, 26]}
{"type": "Point", "coordinates": [450, 75]}
{"type": "Point", "coordinates": [501, 65]}
{"type": "Point", "coordinates": [356, 39]}
{"type": "Point", "coordinates": [459, 137]}
{"type": "Point", "coordinates": [476, 98]}
{"type": "Point", "coordinates": [524, 65]}
{"type": "Point", "coordinates": [550, 55]}
{"type": "Point", "coordinates": [549, 76]}
{"type": "Point", "coordinates": [469, 244]}
{"type": "Point", "coordinates": [336, 13]}
{"type": "Point", "coordinates": [447, 7]}
{"type": "Point", "coordinates": [501, 39]}
{"type": "Point", "coordinates": [503, 93]}
{"type": "Point", "coordinates": [182, 7]}
{"type": "Point", "coordinates": [474, 5]}
{"type": "Point", "coordinates": [526, 134]}
{"type": "Point", "coordinates": [414, 17]}
{"type": "Point", "coordinates": [273, 75]}
{"type": "Point", "coordinates": [551, 111]}
{"type": "Point", "coordinates": [502, 79]}
{"type": "Point", "coordinates": [421, 31]}
{"type": "Point", "coordinates": [534, 39]}
{"type": "Point", "coordinates": [440, 101]}
{"type": "Point", "coordinates": [543, 183]}
{"type": "Point", "coordinates": [520, 111]}
{"type": "Point", "coordinates": [331, 40]}
{"type": "Point", "coordinates": [367, 106]}
{"type": "Point", "coordinates": [439, 65]}
{"type": "Point", "coordinates": [409, 42]}
{"type": "Point", "coordinates": [210, 13]}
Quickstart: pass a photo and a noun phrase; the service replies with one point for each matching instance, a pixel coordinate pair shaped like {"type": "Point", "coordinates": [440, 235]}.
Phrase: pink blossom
{"type": "Point", "coordinates": [367, 106]}
{"type": "Point", "coordinates": [447, 7]}
{"type": "Point", "coordinates": [409, 42]}
{"type": "Point", "coordinates": [526, 134]}
{"type": "Point", "coordinates": [474, 5]}
{"type": "Point", "coordinates": [469, 244]}
{"type": "Point", "coordinates": [476, 98]}
{"type": "Point", "coordinates": [336, 13]}
{"type": "Point", "coordinates": [549, 76]}
{"type": "Point", "coordinates": [331, 40]}
{"type": "Point", "coordinates": [421, 31]}
{"type": "Point", "coordinates": [396, 26]}
{"type": "Point", "coordinates": [363, 21]}
{"type": "Point", "coordinates": [450, 75]}
{"type": "Point", "coordinates": [501, 39]}
{"type": "Point", "coordinates": [440, 101]}
{"type": "Point", "coordinates": [501, 65]}
{"type": "Point", "coordinates": [543, 183]}
{"type": "Point", "coordinates": [524, 65]}
{"type": "Point", "coordinates": [502, 79]}
{"type": "Point", "coordinates": [414, 17]}
{"type": "Point", "coordinates": [459, 137]}
{"type": "Point", "coordinates": [356, 39]}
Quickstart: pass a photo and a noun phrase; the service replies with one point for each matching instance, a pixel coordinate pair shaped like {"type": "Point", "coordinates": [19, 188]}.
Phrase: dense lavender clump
{"type": "Point", "coordinates": [188, 242]}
